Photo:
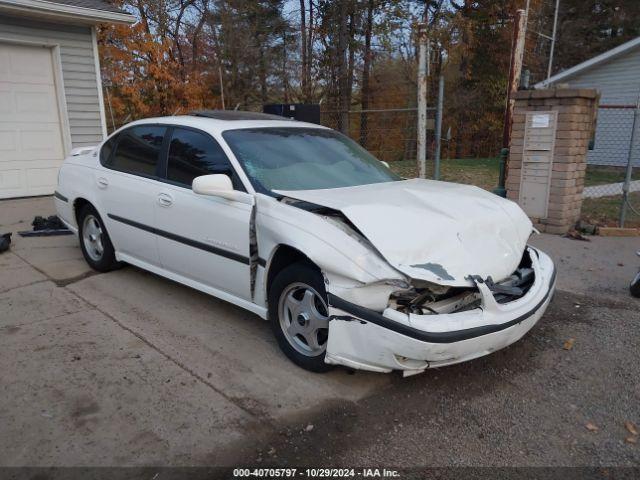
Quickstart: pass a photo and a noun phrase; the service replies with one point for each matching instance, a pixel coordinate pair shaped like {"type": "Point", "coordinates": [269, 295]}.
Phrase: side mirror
{"type": "Point", "coordinates": [219, 185]}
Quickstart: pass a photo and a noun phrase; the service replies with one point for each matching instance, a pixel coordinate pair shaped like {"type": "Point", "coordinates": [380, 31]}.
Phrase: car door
{"type": "Point", "coordinates": [128, 188]}
{"type": "Point", "coordinates": [202, 238]}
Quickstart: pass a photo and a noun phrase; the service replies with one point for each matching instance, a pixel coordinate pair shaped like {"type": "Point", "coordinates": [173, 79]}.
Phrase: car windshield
{"type": "Point", "coordinates": [304, 159]}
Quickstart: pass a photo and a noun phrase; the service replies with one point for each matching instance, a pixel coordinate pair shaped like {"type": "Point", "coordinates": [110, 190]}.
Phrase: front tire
{"type": "Point", "coordinates": [95, 243]}
{"type": "Point", "coordinates": [299, 316]}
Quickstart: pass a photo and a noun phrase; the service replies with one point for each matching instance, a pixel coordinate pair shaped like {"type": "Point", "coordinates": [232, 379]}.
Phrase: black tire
{"type": "Point", "coordinates": [107, 260]}
{"type": "Point", "coordinates": [634, 288]}
{"type": "Point", "coordinates": [286, 281]}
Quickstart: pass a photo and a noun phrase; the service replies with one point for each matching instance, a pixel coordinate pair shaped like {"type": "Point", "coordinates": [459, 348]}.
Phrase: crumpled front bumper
{"type": "Point", "coordinates": [364, 339]}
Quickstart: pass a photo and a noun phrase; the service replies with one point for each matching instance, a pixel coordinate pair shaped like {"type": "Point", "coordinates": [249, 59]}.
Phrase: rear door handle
{"type": "Point", "coordinates": [102, 182]}
{"type": "Point", "coordinates": [165, 200]}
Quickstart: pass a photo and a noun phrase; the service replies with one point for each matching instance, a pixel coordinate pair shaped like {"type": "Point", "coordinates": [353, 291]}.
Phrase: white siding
{"type": "Point", "coordinates": [78, 71]}
{"type": "Point", "coordinates": [618, 82]}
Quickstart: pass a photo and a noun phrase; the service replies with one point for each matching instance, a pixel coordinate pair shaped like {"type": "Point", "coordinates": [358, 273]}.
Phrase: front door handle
{"type": "Point", "coordinates": [165, 200]}
{"type": "Point", "coordinates": [102, 182]}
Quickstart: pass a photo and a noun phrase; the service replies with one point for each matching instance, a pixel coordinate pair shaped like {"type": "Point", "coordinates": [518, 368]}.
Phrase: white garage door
{"type": "Point", "coordinates": [31, 145]}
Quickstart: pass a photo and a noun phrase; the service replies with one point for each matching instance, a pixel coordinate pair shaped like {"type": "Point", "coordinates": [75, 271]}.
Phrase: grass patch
{"type": "Point", "coordinates": [605, 211]}
{"type": "Point", "coordinates": [602, 175]}
{"type": "Point", "coordinates": [482, 172]}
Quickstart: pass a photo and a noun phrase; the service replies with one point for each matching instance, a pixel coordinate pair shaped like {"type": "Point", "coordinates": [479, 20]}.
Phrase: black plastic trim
{"type": "Point", "coordinates": [362, 313]}
{"type": "Point", "coordinates": [186, 241]}
{"type": "Point", "coordinates": [59, 196]}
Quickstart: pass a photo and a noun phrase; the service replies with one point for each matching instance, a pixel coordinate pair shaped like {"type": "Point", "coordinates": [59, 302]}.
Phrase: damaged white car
{"type": "Point", "coordinates": [351, 264]}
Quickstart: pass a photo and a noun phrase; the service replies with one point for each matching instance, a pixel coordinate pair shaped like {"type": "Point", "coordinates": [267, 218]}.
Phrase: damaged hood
{"type": "Point", "coordinates": [435, 231]}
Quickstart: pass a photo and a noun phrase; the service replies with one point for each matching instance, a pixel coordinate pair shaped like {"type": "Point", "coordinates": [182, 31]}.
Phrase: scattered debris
{"type": "Point", "coordinates": [46, 227]}
{"type": "Point", "coordinates": [620, 264]}
{"type": "Point", "coordinates": [591, 427]}
{"type": "Point", "coordinates": [5, 241]}
{"type": "Point", "coordinates": [576, 235]}
{"type": "Point", "coordinates": [631, 428]}
{"type": "Point", "coordinates": [631, 439]}
{"type": "Point", "coordinates": [308, 428]}
{"type": "Point", "coordinates": [568, 344]}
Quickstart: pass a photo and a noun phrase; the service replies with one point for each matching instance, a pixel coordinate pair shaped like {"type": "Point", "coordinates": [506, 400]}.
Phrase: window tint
{"type": "Point", "coordinates": [192, 154]}
{"type": "Point", "coordinates": [139, 149]}
{"type": "Point", "coordinates": [107, 148]}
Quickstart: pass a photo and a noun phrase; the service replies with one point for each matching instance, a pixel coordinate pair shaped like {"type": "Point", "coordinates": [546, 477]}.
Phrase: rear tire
{"type": "Point", "coordinates": [299, 316]}
{"type": "Point", "coordinates": [95, 243]}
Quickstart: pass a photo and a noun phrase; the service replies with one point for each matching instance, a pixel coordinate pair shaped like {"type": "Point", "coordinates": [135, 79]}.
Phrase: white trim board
{"type": "Point", "coordinates": [58, 11]}
{"type": "Point", "coordinates": [96, 56]}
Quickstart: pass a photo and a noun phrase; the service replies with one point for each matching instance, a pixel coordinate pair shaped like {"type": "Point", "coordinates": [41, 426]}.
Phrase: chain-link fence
{"type": "Point", "coordinates": [612, 181]}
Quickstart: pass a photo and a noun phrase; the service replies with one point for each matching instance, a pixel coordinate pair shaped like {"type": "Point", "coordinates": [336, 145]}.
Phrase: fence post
{"type": "Point", "coordinates": [629, 170]}
{"type": "Point", "coordinates": [423, 54]}
{"type": "Point", "coordinates": [438, 136]}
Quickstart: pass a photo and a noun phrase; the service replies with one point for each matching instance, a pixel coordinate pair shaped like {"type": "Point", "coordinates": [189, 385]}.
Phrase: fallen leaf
{"type": "Point", "coordinates": [591, 427]}
{"type": "Point", "coordinates": [631, 427]}
{"type": "Point", "coordinates": [631, 439]}
{"type": "Point", "coordinates": [568, 345]}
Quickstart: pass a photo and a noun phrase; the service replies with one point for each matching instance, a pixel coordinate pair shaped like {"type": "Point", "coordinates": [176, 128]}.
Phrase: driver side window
{"type": "Point", "coordinates": [192, 154]}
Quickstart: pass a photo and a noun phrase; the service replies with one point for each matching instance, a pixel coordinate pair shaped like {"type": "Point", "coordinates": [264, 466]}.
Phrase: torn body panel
{"type": "Point", "coordinates": [367, 340]}
{"type": "Point", "coordinates": [346, 260]}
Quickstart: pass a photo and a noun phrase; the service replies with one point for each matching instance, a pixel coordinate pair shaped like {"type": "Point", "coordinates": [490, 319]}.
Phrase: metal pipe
{"type": "Point", "coordinates": [553, 38]}
{"type": "Point", "coordinates": [422, 100]}
{"type": "Point", "coordinates": [438, 135]}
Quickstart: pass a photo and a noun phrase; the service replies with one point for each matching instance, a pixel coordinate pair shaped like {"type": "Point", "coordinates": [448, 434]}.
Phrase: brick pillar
{"type": "Point", "coordinates": [571, 116]}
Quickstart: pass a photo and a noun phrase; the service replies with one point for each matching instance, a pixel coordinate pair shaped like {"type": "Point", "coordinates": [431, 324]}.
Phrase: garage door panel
{"type": "Point", "coordinates": [11, 180]}
{"type": "Point", "coordinates": [43, 142]}
{"type": "Point", "coordinates": [41, 177]}
{"type": "Point", "coordinates": [7, 142]}
{"type": "Point", "coordinates": [31, 142]}
{"type": "Point", "coordinates": [26, 64]}
{"type": "Point", "coordinates": [7, 105]}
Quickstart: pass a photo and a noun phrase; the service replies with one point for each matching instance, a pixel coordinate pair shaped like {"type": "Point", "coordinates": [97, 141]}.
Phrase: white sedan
{"type": "Point", "coordinates": [351, 264]}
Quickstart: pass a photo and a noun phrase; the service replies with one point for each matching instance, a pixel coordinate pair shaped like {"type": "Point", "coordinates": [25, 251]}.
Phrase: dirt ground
{"type": "Point", "coordinates": [129, 369]}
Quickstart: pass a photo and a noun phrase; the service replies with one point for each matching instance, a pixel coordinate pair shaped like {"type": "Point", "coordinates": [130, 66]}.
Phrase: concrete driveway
{"type": "Point", "coordinates": [127, 368]}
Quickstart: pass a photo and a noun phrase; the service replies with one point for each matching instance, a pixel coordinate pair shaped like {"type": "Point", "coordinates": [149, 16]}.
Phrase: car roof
{"type": "Point", "coordinates": [218, 121]}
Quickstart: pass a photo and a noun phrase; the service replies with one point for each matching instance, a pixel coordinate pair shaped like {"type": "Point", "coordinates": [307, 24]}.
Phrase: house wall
{"type": "Point", "coordinates": [618, 82]}
{"type": "Point", "coordinates": [78, 71]}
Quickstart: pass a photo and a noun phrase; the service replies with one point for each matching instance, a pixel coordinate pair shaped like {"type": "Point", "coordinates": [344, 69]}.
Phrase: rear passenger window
{"type": "Point", "coordinates": [138, 150]}
{"type": "Point", "coordinates": [192, 154]}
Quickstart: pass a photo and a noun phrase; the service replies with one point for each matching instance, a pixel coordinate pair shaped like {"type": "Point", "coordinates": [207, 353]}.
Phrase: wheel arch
{"type": "Point", "coordinates": [283, 256]}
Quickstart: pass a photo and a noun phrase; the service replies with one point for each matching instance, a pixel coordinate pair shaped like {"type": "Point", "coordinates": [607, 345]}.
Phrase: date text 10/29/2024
{"type": "Point", "coordinates": [268, 473]}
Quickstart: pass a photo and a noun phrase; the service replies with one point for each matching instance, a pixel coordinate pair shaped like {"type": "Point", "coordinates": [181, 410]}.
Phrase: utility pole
{"type": "Point", "coordinates": [553, 38]}
{"type": "Point", "coordinates": [515, 70]}
{"type": "Point", "coordinates": [438, 135]}
{"type": "Point", "coordinates": [423, 73]}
